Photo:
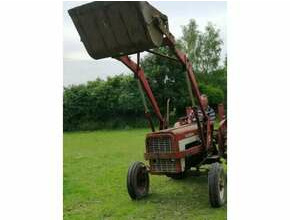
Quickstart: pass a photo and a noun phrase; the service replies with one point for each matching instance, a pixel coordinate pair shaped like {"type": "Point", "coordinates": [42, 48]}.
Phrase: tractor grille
{"type": "Point", "coordinates": [159, 145]}
{"type": "Point", "coordinates": [163, 165]}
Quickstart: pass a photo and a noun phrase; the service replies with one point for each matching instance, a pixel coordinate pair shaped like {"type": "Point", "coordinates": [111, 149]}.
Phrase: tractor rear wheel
{"type": "Point", "coordinates": [137, 180]}
{"type": "Point", "coordinates": [217, 185]}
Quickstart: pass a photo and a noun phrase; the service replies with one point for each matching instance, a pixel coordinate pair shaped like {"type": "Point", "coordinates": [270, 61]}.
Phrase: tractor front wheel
{"type": "Point", "coordinates": [137, 181]}
{"type": "Point", "coordinates": [217, 185]}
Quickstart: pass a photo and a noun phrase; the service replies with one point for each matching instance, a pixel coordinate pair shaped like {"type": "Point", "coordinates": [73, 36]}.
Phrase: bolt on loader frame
{"type": "Point", "coordinates": [118, 29]}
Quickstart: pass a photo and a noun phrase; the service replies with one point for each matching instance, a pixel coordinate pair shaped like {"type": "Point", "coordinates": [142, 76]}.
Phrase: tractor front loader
{"type": "Point", "coordinates": [120, 29]}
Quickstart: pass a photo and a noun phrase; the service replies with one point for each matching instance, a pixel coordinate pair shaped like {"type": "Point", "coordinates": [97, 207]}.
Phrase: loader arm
{"type": "Point", "coordinates": [206, 131]}
{"type": "Point", "coordinates": [182, 57]}
{"type": "Point", "coordinates": [170, 42]}
{"type": "Point", "coordinates": [139, 73]}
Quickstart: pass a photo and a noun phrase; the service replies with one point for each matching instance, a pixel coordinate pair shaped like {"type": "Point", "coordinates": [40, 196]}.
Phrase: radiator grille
{"type": "Point", "coordinates": [163, 165]}
{"type": "Point", "coordinates": [159, 145]}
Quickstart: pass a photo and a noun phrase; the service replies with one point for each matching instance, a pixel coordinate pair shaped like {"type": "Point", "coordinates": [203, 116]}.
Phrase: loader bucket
{"type": "Point", "coordinates": [113, 29]}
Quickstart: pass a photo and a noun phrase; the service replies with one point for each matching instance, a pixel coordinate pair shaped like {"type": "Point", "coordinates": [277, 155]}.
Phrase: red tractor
{"type": "Point", "coordinates": [119, 29]}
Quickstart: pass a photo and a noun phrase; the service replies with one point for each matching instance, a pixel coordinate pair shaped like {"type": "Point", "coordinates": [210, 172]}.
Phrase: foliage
{"type": "Point", "coordinates": [94, 182]}
{"type": "Point", "coordinates": [102, 104]}
{"type": "Point", "coordinates": [203, 49]}
{"type": "Point", "coordinates": [167, 79]}
{"type": "Point", "coordinates": [215, 95]}
{"type": "Point", "coordinates": [116, 102]}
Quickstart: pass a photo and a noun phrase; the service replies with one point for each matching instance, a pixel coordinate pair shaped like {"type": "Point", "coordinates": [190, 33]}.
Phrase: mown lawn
{"type": "Point", "coordinates": [95, 169]}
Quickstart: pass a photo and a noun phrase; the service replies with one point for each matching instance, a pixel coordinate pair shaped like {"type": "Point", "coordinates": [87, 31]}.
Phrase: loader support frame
{"type": "Point", "coordinates": [205, 132]}
{"type": "Point", "coordinates": [168, 40]}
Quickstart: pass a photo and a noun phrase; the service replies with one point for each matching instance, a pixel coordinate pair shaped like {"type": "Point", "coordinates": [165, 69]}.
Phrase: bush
{"type": "Point", "coordinates": [116, 103]}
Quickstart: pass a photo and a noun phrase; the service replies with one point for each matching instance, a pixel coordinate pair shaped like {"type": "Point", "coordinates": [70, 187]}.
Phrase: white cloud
{"type": "Point", "coordinates": [77, 55]}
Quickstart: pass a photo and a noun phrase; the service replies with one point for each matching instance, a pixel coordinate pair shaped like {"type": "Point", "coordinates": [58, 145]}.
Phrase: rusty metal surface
{"type": "Point", "coordinates": [221, 112]}
{"type": "Point", "coordinates": [167, 149]}
{"type": "Point", "coordinates": [182, 130]}
{"type": "Point", "coordinates": [177, 155]}
{"type": "Point", "coordinates": [112, 29]}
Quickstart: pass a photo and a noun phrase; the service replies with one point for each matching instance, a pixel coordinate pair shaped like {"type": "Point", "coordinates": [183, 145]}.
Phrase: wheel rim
{"type": "Point", "coordinates": [142, 180]}
{"type": "Point", "coordinates": [221, 186]}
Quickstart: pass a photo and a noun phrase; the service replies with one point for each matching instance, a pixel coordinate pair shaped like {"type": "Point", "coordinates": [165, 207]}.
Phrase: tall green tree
{"type": "Point", "coordinates": [203, 48]}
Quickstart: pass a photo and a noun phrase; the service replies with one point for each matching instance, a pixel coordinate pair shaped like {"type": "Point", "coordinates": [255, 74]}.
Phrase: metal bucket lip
{"type": "Point", "coordinates": [96, 4]}
{"type": "Point", "coordinates": [107, 44]}
{"type": "Point", "coordinates": [93, 5]}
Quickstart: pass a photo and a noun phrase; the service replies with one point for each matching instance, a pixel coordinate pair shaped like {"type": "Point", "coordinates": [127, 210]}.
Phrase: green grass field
{"type": "Point", "coordinates": [95, 169]}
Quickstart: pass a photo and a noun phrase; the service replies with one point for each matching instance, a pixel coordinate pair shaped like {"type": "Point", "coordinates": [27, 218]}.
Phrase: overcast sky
{"type": "Point", "coordinates": [79, 67]}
